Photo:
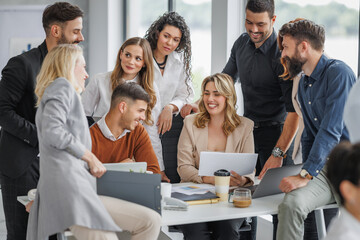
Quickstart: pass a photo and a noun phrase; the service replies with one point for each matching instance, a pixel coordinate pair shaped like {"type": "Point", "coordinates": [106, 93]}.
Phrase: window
{"type": "Point", "coordinates": [141, 14]}
{"type": "Point", "coordinates": [197, 13]}
{"type": "Point", "coordinates": [340, 19]}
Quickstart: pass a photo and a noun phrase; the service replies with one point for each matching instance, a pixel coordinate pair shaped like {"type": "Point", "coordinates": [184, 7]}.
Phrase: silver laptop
{"type": "Point", "coordinates": [139, 167]}
{"type": "Point", "coordinates": [269, 185]}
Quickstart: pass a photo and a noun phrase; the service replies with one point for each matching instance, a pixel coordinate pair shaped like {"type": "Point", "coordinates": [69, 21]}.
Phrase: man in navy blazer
{"type": "Point", "coordinates": [19, 162]}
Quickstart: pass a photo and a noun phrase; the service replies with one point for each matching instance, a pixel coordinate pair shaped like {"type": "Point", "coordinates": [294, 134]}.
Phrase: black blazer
{"type": "Point", "coordinates": [18, 140]}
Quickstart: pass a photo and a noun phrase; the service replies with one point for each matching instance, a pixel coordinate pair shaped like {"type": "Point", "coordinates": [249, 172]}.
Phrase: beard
{"type": "Point", "coordinates": [294, 66]}
{"type": "Point", "coordinates": [64, 40]}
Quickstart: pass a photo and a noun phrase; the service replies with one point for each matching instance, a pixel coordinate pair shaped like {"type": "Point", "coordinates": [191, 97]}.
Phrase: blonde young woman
{"type": "Point", "coordinates": [134, 63]}
{"type": "Point", "coordinates": [217, 128]}
{"type": "Point", "coordinates": [66, 195]}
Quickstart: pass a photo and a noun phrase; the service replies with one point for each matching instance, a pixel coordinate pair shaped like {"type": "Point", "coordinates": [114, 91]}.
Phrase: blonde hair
{"type": "Point", "coordinates": [59, 62]}
{"type": "Point", "coordinates": [225, 86]}
{"type": "Point", "coordinates": [146, 74]}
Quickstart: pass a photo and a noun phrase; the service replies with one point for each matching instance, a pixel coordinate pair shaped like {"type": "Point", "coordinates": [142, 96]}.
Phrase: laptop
{"type": "Point", "coordinates": [139, 167]}
{"type": "Point", "coordinates": [241, 163]}
{"type": "Point", "coordinates": [269, 185]}
{"type": "Point", "coordinates": [140, 188]}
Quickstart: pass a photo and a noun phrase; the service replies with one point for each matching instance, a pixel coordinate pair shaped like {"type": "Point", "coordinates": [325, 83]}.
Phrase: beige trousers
{"type": "Point", "coordinates": [143, 223]}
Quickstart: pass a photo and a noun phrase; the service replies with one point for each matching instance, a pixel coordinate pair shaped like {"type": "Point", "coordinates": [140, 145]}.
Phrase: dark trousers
{"type": "Point", "coordinates": [16, 216]}
{"type": "Point", "coordinates": [219, 230]}
{"type": "Point", "coordinates": [265, 139]}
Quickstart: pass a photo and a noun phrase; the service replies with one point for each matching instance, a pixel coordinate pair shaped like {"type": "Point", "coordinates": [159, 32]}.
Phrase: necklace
{"type": "Point", "coordinates": [161, 65]}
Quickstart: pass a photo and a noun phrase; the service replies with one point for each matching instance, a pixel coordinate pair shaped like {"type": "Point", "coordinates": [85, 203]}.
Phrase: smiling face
{"type": "Point", "coordinates": [214, 102]}
{"type": "Point", "coordinates": [291, 54]}
{"type": "Point", "coordinates": [80, 72]}
{"type": "Point", "coordinates": [259, 26]}
{"type": "Point", "coordinates": [71, 32]}
{"type": "Point", "coordinates": [134, 113]}
{"type": "Point", "coordinates": [132, 60]}
{"type": "Point", "coordinates": [169, 39]}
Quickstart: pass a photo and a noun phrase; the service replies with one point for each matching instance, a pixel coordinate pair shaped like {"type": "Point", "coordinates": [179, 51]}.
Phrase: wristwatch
{"type": "Point", "coordinates": [305, 174]}
{"type": "Point", "coordinates": [277, 152]}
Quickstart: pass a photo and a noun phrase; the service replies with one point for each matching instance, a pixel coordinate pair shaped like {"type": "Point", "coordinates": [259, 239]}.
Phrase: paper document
{"type": "Point", "coordinates": [193, 189]}
{"type": "Point", "coordinates": [241, 163]}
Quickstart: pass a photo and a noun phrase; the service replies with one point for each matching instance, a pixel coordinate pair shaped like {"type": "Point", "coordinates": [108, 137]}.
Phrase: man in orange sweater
{"type": "Point", "coordinates": [119, 136]}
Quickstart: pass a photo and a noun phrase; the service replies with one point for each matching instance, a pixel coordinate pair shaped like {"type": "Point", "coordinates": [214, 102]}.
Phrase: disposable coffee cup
{"type": "Point", "coordinates": [222, 181]}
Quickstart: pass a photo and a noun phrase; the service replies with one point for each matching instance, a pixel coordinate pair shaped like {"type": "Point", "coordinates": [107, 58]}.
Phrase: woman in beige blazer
{"type": "Point", "coordinates": [218, 128]}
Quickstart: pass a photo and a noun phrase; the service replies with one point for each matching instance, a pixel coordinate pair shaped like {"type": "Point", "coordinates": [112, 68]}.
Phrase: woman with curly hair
{"type": "Point", "coordinates": [216, 128]}
{"type": "Point", "coordinates": [169, 37]}
{"type": "Point", "coordinates": [134, 63]}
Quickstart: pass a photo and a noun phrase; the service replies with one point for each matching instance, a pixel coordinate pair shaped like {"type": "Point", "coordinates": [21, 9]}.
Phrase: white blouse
{"type": "Point", "coordinates": [96, 101]}
{"type": "Point", "coordinates": [172, 86]}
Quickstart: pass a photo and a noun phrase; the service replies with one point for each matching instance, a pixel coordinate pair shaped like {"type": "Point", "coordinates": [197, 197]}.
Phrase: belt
{"type": "Point", "coordinates": [266, 124]}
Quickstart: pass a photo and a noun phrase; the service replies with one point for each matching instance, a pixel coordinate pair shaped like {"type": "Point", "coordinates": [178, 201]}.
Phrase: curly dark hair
{"type": "Point", "coordinates": [173, 19]}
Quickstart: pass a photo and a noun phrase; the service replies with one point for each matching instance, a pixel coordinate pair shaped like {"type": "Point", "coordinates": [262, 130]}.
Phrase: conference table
{"type": "Point", "coordinates": [225, 210]}
{"type": "Point", "coordinates": [221, 211]}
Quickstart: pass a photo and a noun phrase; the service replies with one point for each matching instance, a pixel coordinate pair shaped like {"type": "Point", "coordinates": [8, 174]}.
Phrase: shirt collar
{"type": "Point", "coordinates": [106, 131]}
{"type": "Point", "coordinates": [135, 79]}
{"type": "Point", "coordinates": [175, 56]}
{"type": "Point", "coordinates": [264, 48]}
{"type": "Point", "coordinates": [319, 69]}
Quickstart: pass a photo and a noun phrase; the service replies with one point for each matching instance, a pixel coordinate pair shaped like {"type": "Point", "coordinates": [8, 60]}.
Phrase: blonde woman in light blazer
{"type": "Point", "coordinates": [218, 128]}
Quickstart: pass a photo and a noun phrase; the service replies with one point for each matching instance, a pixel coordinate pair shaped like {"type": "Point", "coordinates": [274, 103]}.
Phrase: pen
{"type": "Point", "coordinates": [204, 201]}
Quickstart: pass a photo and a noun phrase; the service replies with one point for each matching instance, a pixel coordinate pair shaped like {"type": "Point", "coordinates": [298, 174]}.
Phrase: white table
{"type": "Point", "coordinates": [224, 210]}
{"type": "Point", "coordinates": [221, 211]}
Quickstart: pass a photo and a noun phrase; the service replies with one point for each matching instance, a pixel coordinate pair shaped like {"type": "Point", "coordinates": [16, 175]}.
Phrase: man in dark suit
{"type": "Point", "coordinates": [19, 161]}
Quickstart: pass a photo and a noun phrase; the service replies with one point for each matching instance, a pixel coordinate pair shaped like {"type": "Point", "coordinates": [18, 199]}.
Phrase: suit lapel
{"type": "Point", "coordinates": [201, 138]}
